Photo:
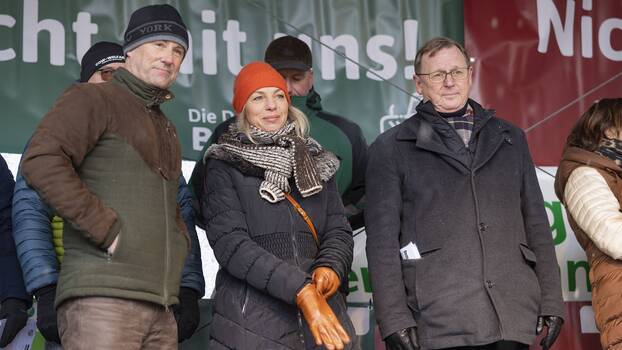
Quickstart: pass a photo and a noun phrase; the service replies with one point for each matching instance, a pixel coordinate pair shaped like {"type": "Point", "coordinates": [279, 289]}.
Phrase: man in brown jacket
{"type": "Point", "coordinates": [107, 159]}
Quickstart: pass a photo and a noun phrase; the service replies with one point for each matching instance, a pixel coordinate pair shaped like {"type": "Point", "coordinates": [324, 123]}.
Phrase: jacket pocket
{"type": "Point", "coordinates": [119, 239]}
{"type": "Point", "coordinates": [528, 255]}
{"type": "Point", "coordinates": [409, 276]}
{"type": "Point", "coordinates": [412, 271]}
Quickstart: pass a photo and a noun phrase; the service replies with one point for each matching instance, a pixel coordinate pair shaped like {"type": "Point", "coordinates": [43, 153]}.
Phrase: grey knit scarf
{"type": "Point", "coordinates": [281, 154]}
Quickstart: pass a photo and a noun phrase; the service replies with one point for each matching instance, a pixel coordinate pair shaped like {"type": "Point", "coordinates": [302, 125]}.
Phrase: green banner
{"type": "Point", "coordinates": [362, 49]}
{"type": "Point", "coordinates": [363, 53]}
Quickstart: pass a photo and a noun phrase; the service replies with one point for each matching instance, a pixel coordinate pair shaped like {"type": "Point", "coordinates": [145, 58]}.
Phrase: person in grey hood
{"type": "Point", "coordinates": [459, 247]}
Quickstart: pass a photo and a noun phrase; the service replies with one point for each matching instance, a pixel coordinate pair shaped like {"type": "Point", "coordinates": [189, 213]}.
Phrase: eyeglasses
{"type": "Point", "coordinates": [106, 73]}
{"type": "Point", "coordinates": [457, 74]}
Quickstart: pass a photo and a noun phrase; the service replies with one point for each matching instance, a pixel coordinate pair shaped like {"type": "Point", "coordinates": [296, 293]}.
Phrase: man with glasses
{"type": "Point", "coordinates": [459, 247]}
{"type": "Point", "coordinates": [108, 161]}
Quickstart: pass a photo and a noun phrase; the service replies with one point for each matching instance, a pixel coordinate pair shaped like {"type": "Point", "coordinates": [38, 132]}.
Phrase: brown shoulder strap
{"type": "Point", "coordinates": [304, 216]}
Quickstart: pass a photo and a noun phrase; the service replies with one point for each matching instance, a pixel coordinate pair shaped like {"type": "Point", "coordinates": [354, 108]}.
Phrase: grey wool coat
{"type": "Point", "coordinates": [267, 254]}
{"type": "Point", "coordinates": [476, 214]}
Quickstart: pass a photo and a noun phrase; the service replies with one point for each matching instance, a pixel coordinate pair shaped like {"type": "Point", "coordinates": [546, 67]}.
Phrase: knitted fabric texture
{"type": "Point", "coordinates": [612, 149]}
{"type": "Point", "coordinates": [99, 55]}
{"type": "Point", "coordinates": [153, 23]}
{"type": "Point", "coordinates": [254, 76]}
{"type": "Point", "coordinates": [281, 155]}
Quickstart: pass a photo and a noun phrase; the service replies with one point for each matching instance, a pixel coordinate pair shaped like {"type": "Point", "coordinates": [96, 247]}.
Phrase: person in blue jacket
{"type": "Point", "coordinates": [34, 222]}
{"type": "Point", "coordinates": [14, 299]}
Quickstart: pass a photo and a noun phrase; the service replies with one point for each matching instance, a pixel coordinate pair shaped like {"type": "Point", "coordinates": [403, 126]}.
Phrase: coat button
{"type": "Point", "coordinates": [482, 226]}
{"type": "Point", "coordinates": [489, 284]}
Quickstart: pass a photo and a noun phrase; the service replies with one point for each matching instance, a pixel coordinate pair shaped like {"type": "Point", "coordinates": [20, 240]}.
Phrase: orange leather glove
{"type": "Point", "coordinates": [326, 281]}
{"type": "Point", "coordinates": [323, 323]}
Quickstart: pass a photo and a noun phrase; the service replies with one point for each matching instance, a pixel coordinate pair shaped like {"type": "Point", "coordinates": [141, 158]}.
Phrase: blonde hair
{"type": "Point", "coordinates": [301, 123]}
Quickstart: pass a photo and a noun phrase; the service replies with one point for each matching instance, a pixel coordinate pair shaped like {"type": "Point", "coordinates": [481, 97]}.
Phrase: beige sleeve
{"type": "Point", "coordinates": [595, 209]}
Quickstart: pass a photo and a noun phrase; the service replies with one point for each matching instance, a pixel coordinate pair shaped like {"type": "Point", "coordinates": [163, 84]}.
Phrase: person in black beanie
{"type": "Point", "coordinates": [34, 227]}
{"type": "Point", "coordinates": [127, 243]}
{"type": "Point", "coordinates": [100, 61]}
{"type": "Point", "coordinates": [36, 230]}
{"type": "Point", "coordinates": [152, 23]}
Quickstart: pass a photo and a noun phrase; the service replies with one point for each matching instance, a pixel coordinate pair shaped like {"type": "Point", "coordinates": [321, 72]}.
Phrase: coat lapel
{"type": "Point", "coordinates": [489, 140]}
{"type": "Point", "coordinates": [417, 130]}
{"type": "Point", "coordinates": [490, 136]}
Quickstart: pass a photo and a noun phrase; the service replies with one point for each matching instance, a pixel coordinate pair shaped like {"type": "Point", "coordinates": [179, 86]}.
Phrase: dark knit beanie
{"type": "Point", "coordinates": [99, 55]}
{"type": "Point", "coordinates": [155, 22]}
{"type": "Point", "coordinates": [288, 52]}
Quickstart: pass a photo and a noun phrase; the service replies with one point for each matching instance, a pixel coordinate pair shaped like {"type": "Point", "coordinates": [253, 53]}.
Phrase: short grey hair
{"type": "Point", "coordinates": [434, 45]}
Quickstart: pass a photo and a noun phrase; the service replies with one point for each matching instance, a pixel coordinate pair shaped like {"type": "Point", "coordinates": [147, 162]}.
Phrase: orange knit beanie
{"type": "Point", "coordinates": [254, 76]}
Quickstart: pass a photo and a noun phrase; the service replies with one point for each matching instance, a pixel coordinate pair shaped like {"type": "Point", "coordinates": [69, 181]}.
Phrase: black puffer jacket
{"type": "Point", "coordinates": [266, 253]}
{"type": "Point", "coordinates": [11, 282]}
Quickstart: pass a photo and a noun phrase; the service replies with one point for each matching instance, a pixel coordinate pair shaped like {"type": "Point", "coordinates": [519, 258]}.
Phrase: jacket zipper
{"type": "Point", "coordinates": [158, 128]}
{"type": "Point", "coordinates": [166, 243]}
{"type": "Point", "coordinates": [245, 302]}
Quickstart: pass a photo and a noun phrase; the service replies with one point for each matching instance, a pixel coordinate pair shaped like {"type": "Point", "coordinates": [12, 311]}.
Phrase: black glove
{"type": "Point", "coordinates": [187, 313]}
{"type": "Point", "coordinates": [554, 326]}
{"type": "Point", "coordinates": [405, 339]}
{"type": "Point", "coordinates": [15, 312]}
{"type": "Point", "coordinates": [46, 313]}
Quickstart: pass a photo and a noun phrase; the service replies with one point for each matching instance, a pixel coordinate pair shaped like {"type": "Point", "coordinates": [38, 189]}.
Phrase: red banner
{"type": "Point", "coordinates": [542, 63]}
{"type": "Point", "coordinates": [578, 332]}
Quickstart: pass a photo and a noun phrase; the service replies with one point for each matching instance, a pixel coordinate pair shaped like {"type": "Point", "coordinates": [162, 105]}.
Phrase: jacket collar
{"type": "Point", "coordinates": [589, 158]}
{"type": "Point", "coordinates": [428, 129]}
{"type": "Point", "coordinates": [148, 95]}
{"type": "Point", "coordinates": [314, 100]}
{"type": "Point", "coordinates": [574, 157]}
{"type": "Point", "coordinates": [425, 111]}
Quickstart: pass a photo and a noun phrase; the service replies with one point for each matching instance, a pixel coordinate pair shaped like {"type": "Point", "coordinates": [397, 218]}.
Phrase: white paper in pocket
{"type": "Point", "coordinates": [410, 252]}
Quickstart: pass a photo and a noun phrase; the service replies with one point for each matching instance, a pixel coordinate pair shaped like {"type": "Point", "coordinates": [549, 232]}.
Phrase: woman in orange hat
{"type": "Point", "coordinates": [276, 223]}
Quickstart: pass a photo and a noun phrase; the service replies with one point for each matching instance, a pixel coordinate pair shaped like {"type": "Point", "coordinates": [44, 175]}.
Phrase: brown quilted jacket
{"type": "Point", "coordinates": [605, 272]}
{"type": "Point", "coordinates": [108, 161]}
